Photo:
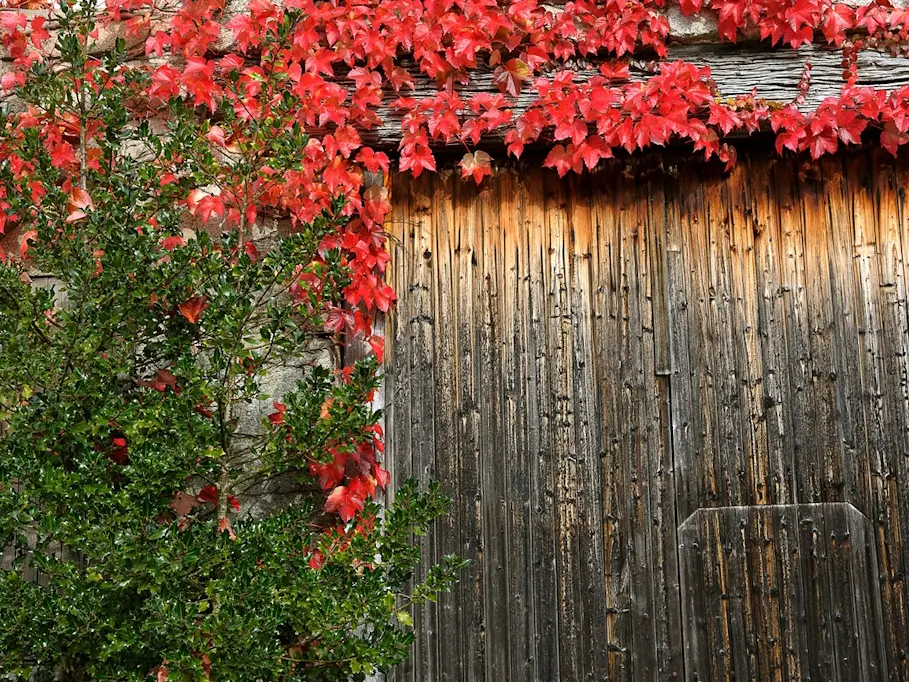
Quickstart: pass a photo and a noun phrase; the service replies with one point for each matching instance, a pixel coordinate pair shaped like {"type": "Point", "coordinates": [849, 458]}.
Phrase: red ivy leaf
{"type": "Point", "coordinates": [183, 504]}
{"type": "Point", "coordinates": [563, 160]}
{"type": "Point", "coordinates": [689, 7]}
{"type": "Point", "coordinates": [172, 242]}
{"type": "Point", "coordinates": [277, 417]}
{"type": "Point", "coordinates": [193, 308]}
{"type": "Point", "coordinates": [208, 494]}
{"type": "Point", "coordinates": [892, 137]}
{"type": "Point", "coordinates": [119, 452]}
{"type": "Point", "coordinates": [382, 477]}
{"type": "Point", "coordinates": [317, 560]}
{"type": "Point", "coordinates": [251, 251]}
{"type": "Point", "coordinates": [27, 236]}
{"type": "Point", "coordinates": [78, 203]}
{"type": "Point", "coordinates": [476, 165]}
{"type": "Point", "coordinates": [377, 343]}
{"type": "Point", "coordinates": [346, 501]}
{"type": "Point", "coordinates": [509, 76]}
{"type": "Point", "coordinates": [417, 160]}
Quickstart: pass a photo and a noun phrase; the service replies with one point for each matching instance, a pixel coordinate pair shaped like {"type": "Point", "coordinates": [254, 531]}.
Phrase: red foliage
{"type": "Point", "coordinates": [344, 61]}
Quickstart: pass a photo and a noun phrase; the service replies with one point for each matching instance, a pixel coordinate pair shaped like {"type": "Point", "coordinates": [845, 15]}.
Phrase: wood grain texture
{"type": "Point", "coordinates": [587, 363]}
{"type": "Point", "coordinates": [737, 561]}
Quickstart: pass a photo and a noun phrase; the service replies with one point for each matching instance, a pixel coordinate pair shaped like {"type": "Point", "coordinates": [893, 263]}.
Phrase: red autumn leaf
{"type": "Point", "coordinates": [316, 560]}
{"type": "Point", "coordinates": [562, 159]}
{"type": "Point", "coordinates": [724, 118]}
{"type": "Point", "coordinates": [892, 137]}
{"type": "Point", "coordinates": [172, 242]}
{"type": "Point", "coordinates": [251, 251]}
{"type": "Point", "coordinates": [509, 77]}
{"type": "Point", "coordinates": [382, 477]}
{"type": "Point", "coordinates": [204, 410]}
{"type": "Point", "coordinates": [417, 160]}
{"type": "Point", "coordinates": [373, 161]}
{"type": "Point", "coordinates": [331, 474]}
{"type": "Point", "coordinates": [476, 165]}
{"type": "Point", "coordinates": [592, 150]}
{"type": "Point", "coordinates": [27, 237]}
{"type": "Point", "coordinates": [615, 71]}
{"type": "Point", "coordinates": [823, 142]}
{"type": "Point", "coordinates": [225, 526]}
{"type": "Point", "coordinates": [161, 672]}
{"type": "Point", "coordinates": [119, 450]}
{"type": "Point", "coordinates": [163, 380]}
{"type": "Point", "coordinates": [77, 204]}
{"type": "Point", "coordinates": [208, 494]}
{"type": "Point", "coordinates": [838, 19]}
{"type": "Point", "coordinates": [233, 502]}
{"type": "Point", "coordinates": [850, 125]}
{"type": "Point", "coordinates": [206, 661]}
{"type": "Point", "coordinates": [193, 308]}
{"type": "Point", "coordinates": [215, 135]}
{"type": "Point", "coordinates": [277, 417]}
{"type": "Point", "coordinates": [325, 412]}
{"type": "Point", "coordinates": [789, 139]}
{"type": "Point", "coordinates": [377, 343]}
{"type": "Point", "coordinates": [346, 501]}
{"type": "Point", "coordinates": [183, 503]}
{"type": "Point", "coordinates": [689, 7]}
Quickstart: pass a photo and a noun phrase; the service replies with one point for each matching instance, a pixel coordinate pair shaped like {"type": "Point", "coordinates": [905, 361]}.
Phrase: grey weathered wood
{"type": "Point", "coordinates": [573, 457]}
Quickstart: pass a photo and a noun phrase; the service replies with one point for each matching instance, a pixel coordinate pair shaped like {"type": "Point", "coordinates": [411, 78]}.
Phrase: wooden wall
{"type": "Point", "coordinates": [586, 363]}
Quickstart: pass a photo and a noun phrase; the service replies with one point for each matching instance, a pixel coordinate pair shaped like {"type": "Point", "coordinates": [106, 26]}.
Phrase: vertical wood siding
{"type": "Point", "coordinates": [672, 412]}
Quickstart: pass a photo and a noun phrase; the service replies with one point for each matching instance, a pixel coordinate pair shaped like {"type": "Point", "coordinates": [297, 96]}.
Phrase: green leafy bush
{"type": "Point", "coordinates": [162, 498]}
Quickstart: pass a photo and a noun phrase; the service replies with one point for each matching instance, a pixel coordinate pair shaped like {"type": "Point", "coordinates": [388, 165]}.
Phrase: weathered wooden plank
{"type": "Point", "coordinates": [588, 433]}
{"type": "Point", "coordinates": [447, 416]}
{"type": "Point", "coordinates": [655, 233]}
{"type": "Point", "coordinates": [609, 305]}
{"type": "Point", "coordinates": [693, 403]}
{"type": "Point", "coordinates": [422, 392]}
{"type": "Point", "coordinates": [564, 447]}
{"type": "Point", "coordinates": [719, 320]}
{"type": "Point", "coordinates": [489, 372]}
{"type": "Point", "coordinates": [397, 378]}
{"type": "Point", "coordinates": [518, 461]}
{"type": "Point", "coordinates": [893, 360]}
{"type": "Point", "coordinates": [540, 416]}
{"type": "Point", "coordinates": [883, 501]}
{"type": "Point", "coordinates": [749, 375]}
{"type": "Point", "coordinates": [640, 427]}
{"type": "Point", "coordinates": [668, 611]}
{"type": "Point", "coordinates": [901, 350]}
{"type": "Point", "coordinates": [839, 193]}
{"type": "Point", "coordinates": [654, 582]}
{"type": "Point", "coordinates": [822, 463]}
{"type": "Point", "coordinates": [793, 277]}
{"type": "Point", "coordinates": [771, 311]}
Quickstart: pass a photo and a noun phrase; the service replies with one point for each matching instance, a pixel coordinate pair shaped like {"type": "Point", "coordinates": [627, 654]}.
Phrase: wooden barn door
{"type": "Point", "coordinates": [672, 412]}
